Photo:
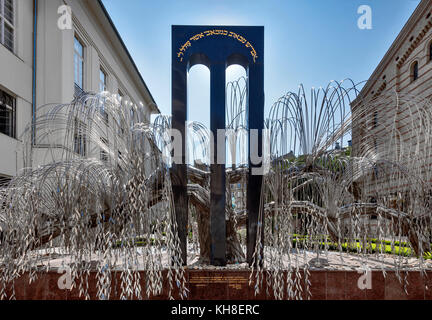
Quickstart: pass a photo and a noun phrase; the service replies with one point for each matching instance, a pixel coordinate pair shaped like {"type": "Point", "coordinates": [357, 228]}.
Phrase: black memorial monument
{"type": "Point", "coordinates": [218, 47]}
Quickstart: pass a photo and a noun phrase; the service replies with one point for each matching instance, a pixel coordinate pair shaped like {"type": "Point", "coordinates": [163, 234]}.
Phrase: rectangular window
{"type": "Point", "coordinates": [4, 181]}
{"type": "Point", "coordinates": [78, 66]}
{"type": "Point", "coordinates": [7, 21]}
{"type": "Point", "coordinates": [103, 153]}
{"type": "Point", "coordinates": [102, 81]}
{"type": "Point", "coordinates": [80, 139]}
{"type": "Point", "coordinates": [103, 87]}
{"type": "Point", "coordinates": [375, 119]}
{"type": "Point", "coordinates": [121, 96]}
{"type": "Point", "coordinates": [430, 52]}
{"type": "Point", "coordinates": [120, 128]}
{"type": "Point", "coordinates": [7, 114]}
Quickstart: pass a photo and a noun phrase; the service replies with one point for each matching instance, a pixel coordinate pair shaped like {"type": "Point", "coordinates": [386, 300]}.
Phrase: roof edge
{"type": "Point", "coordinates": [154, 104]}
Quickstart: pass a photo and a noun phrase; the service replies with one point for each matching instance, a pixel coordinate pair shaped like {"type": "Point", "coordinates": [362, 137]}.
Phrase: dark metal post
{"type": "Point", "coordinates": [255, 111]}
{"type": "Point", "coordinates": [217, 170]}
{"type": "Point", "coordinates": [179, 170]}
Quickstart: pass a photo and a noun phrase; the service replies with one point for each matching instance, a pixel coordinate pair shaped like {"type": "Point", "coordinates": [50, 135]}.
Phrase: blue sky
{"type": "Point", "coordinates": [306, 41]}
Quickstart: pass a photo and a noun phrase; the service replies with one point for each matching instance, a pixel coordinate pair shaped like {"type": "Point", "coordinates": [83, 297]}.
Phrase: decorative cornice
{"type": "Point", "coordinates": [380, 90]}
{"type": "Point", "coordinates": [414, 43]}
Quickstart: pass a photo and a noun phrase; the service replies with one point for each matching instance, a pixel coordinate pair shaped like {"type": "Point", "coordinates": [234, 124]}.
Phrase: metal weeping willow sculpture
{"type": "Point", "coordinates": [320, 197]}
{"type": "Point", "coordinates": [104, 203]}
{"type": "Point", "coordinates": [96, 209]}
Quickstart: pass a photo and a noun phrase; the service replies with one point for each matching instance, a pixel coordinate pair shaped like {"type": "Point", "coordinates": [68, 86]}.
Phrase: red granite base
{"type": "Point", "coordinates": [234, 285]}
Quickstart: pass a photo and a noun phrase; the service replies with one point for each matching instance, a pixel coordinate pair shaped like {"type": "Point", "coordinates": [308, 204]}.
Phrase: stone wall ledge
{"type": "Point", "coordinates": [234, 285]}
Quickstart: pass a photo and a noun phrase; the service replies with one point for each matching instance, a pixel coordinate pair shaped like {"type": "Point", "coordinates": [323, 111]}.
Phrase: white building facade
{"type": "Point", "coordinates": [43, 63]}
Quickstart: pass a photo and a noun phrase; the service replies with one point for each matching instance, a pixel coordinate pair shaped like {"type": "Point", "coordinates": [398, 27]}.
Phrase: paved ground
{"type": "Point", "coordinates": [56, 258]}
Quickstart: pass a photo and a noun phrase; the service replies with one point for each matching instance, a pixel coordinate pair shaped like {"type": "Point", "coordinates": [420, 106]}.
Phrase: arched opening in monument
{"type": "Point", "coordinates": [198, 115]}
{"type": "Point", "coordinates": [198, 153]}
{"type": "Point", "coordinates": [235, 109]}
{"type": "Point", "coordinates": [236, 150]}
{"type": "Point", "coordinates": [197, 156]}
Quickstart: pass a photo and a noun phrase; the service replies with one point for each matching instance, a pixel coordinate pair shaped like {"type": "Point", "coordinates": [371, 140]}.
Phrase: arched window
{"type": "Point", "coordinates": [414, 71]}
